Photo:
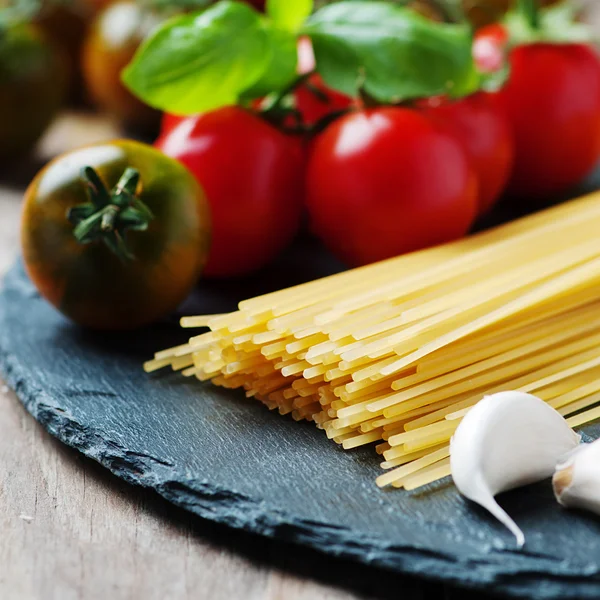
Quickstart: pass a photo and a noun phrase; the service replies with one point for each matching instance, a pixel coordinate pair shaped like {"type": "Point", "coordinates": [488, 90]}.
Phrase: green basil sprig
{"type": "Point", "coordinates": [229, 53]}
{"type": "Point", "coordinates": [200, 61]}
{"type": "Point", "coordinates": [391, 52]}
{"type": "Point", "coordinates": [289, 14]}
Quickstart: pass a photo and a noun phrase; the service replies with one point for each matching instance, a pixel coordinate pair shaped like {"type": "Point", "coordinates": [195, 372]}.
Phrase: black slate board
{"type": "Point", "coordinates": [229, 460]}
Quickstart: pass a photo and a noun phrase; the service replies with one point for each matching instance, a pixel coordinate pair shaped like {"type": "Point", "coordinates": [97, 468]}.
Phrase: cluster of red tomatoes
{"type": "Point", "coordinates": [384, 180]}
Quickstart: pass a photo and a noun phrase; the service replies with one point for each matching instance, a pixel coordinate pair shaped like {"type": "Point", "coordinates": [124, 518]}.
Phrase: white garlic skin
{"type": "Point", "coordinates": [577, 479]}
{"type": "Point", "coordinates": [507, 440]}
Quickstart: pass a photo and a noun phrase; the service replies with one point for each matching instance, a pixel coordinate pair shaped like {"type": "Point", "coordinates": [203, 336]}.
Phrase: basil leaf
{"type": "Point", "coordinates": [281, 68]}
{"type": "Point", "coordinates": [390, 52]}
{"type": "Point", "coordinates": [201, 61]}
{"type": "Point", "coordinates": [289, 14]}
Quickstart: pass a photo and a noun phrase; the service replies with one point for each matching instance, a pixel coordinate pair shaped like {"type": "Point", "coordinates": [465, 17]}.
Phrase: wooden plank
{"type": "Point", "coordinates": [71, 530]}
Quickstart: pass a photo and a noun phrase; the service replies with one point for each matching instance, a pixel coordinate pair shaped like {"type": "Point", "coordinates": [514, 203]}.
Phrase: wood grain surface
{"type": "Point", "coordinates": [69, 530]}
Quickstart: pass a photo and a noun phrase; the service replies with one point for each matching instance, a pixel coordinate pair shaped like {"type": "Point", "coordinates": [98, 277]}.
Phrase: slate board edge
{"type": "Point", "coordinates": [255, 516]}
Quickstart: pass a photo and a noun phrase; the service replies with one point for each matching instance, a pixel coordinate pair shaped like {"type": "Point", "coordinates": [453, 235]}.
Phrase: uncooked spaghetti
{"type": "Point", "coordinates": [397, 352]}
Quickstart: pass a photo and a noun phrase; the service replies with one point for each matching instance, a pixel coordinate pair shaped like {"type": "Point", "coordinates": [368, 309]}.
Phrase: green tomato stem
{"type": "Point", "coordinates": [109, 215]}
{"type": "Point", "coordinates": [277, 107]}
{"type": "Point", "coordinates": [128, 182]}
{"type": "Point", "coordinates": [530, 10]}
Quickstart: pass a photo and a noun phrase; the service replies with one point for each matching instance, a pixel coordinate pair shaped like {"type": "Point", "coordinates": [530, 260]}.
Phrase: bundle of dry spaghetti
{"type": "Point", "coordinates": [397, 352]}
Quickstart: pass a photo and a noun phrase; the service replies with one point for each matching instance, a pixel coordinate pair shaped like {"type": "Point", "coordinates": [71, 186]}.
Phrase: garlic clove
{"type": "Point", "coordinates": [576, 481]}
{"type": "Point", "coordinates": [505, 441]}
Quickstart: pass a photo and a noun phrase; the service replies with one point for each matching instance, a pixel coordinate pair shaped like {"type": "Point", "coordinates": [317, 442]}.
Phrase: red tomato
{"type": "Point", "coordinates": [384, 181]}
{"type": "Point", "coordinates": [489, 48]}
{"type": "Point", "coordinates": [253, 178]}
{"type": "Point", "coordinates": [553, 101]}
{"type": "Point", "coordinates": [482, 127]}
{"type": "Point", "coordinates": [168, 121]}
{"type": "Point", "coordinates": [314, 106]}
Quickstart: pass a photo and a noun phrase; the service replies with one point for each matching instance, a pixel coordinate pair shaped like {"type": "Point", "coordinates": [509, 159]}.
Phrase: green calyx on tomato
{"type": "Point", "coordinates": [108, 215]}
{"type": "Point", "coordinates": [528, 23]}
{"type": "Point", "coordinates": [180, 67]}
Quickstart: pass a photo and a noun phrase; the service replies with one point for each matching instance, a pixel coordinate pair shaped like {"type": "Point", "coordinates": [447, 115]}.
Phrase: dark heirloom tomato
{"type": "Point", "coordinates": [253, 178]}
{"type": "Point", "coordinates": [89, 282]}
{"type": "Point", "coordinates": [66, 25]}
{"type": "Point", "coordinates": [32, 86]}
{"type": "Point", "coordinates": [110, 45]}
{"type": "Point", "coordinates": [385, 181]}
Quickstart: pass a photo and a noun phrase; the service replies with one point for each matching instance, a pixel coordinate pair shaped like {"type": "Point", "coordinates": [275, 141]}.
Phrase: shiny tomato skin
{"type": "Point", "coordinates": [385, 181]}
{"type": "Point", "coordinates": [66, 25]}
{"type": "Point", "coordinates": [552, 99]}
{"type": "Point", "coordinates": [489, 48]}
{"type": "Point", "coordinates": [314, 107]}
{"type": "Point", "coordinates": [253, 178]}
{"type": "Point", "coordinates": [87, 282]}
{"type": "Point", "coordinates": [479, 123]}
{"type": "Point", "coordinates": [168, 121]}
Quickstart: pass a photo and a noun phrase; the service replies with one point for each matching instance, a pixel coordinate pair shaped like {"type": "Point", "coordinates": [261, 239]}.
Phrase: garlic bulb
{"type": "Point", "coordinates": [505, 441]}
{"type": "Point", "coordinates": [576, 481]}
